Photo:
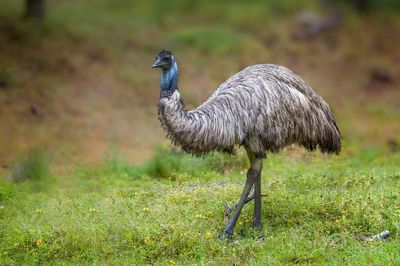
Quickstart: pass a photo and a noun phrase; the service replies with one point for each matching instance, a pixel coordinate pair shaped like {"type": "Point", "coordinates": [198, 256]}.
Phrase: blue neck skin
{"type": "Point", "coordinates": [169, 80]}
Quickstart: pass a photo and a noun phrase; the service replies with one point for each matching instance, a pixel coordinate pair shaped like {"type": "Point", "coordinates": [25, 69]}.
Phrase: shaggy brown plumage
{"type": "Point", "coordinates": [263, 107]}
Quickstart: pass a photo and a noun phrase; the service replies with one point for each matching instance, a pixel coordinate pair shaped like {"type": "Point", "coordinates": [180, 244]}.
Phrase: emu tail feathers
{"type": "Point", "coordinates": [331, 139]}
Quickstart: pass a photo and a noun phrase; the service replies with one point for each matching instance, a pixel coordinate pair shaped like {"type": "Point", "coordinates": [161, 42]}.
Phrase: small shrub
{"type": "Point", "coordinates": [32, 165]}
{"type": "Point", "coordinates": [220, 163]}
{"type": "Point", "coordinates": [164, 164]}
{"type": "Point", "coordinates": [168, 164]}
{"type": "Point", "coordinates": [5, 77]}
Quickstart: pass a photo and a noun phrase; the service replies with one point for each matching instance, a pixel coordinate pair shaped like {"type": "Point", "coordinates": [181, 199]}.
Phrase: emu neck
{"type": "Point", "coordinates": [169, 81]}
{"type": "Point", "coordinates": [173, 117]}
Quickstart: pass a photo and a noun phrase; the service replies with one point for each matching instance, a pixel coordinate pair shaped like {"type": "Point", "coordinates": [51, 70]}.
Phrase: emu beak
{"type": "Point", "coordinates": [157, 63]}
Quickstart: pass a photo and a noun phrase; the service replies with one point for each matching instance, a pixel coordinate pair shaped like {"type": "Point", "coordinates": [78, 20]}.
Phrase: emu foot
{"type": "Point", "coordinates": [226, 235]}
{"type": "Point", "coordinates": [257, 225]}
{"type": "Point", "coordinates": [229, 209]}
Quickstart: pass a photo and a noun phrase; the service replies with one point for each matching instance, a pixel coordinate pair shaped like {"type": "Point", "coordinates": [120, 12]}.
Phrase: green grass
{"type": "Point", "coordinates": [170, 211]}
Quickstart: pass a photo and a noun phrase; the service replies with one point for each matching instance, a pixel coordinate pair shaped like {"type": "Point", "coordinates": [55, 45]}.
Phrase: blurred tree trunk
{"type": "Point", "coordinates": [35, 9]}
{"type": "Point", "coordinates": [361, 6]}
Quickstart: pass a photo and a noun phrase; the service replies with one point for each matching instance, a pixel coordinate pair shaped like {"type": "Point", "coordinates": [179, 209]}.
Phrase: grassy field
{"type": "Point", "coordinates": [105, 195]}
{"type": "Point", "coordinates": [170, 211]}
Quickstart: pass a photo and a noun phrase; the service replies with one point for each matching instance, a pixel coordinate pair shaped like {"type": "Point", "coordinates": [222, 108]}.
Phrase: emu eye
{"type": "Point", "coordinates": [167, 58]}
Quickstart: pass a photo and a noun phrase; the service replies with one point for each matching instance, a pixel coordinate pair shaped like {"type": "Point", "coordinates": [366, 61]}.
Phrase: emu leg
{"type": "Point", "coordinates": [257, 198]}
{"type": "Point", "coordinates": [229, 209]}
{"type": "Point", "coordinates": [246, 190]}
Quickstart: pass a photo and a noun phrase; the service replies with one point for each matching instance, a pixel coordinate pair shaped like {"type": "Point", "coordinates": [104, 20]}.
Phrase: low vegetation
{"type": "Point", "coordinates": [32, 165]}
{"type": "Point", "coordinates": [170, 211]}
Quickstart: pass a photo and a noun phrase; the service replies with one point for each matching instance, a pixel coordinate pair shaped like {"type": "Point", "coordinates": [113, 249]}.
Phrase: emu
{"type": "Point", "coordinates": [263, 108]}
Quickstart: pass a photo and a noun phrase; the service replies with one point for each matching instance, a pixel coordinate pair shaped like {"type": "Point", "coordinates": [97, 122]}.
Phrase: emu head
{"type": "Point", "coordinates": [164, 60]}
{"type": "Point", "coordinates": [169, 76]}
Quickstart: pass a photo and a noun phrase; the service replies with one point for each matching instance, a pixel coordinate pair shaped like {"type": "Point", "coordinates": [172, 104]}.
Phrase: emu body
{"type": "Point", "coordinates": [263, 108]}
